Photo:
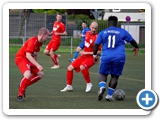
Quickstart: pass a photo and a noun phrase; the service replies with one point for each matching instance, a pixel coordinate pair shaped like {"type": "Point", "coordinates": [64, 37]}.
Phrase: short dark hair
{"type": "Point", "coordinates": [59, 14]}
{"type": "Point", "coordinates": [84, 22]}
{"type": "Point", "coordinates": [112, 21]}
{"type": "Point", "coordinates": [112, 18]}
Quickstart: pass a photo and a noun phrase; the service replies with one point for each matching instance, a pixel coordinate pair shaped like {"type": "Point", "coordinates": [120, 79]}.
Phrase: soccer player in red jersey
{"type": "Point", "coordinates": [58, 30]}
{"type": "Point", "coordinates": [85, 61]}
{"type": "Point", "coordinates": [26, 60]}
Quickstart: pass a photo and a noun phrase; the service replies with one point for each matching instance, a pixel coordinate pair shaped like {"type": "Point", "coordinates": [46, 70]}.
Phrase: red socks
{"type": "Point", "coordinates": [86, 76]}
{"type": "Point", "coordinates": [54, 59]}
{"type": "Point", "coordinates": [69, 77]}
{"type": "Point", "coordinates": [23, 86]}
{"type": "Point", "coordinates": [33, 79]}
{"type": "Point", "coordinates": [27, 82]}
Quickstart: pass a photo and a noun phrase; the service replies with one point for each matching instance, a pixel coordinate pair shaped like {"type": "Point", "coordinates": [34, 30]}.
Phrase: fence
{"type": "Point", "coordinates": [20, 29]}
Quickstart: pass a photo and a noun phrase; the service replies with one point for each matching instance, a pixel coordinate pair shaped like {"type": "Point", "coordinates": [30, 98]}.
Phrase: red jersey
{"type": "Point", "coordinates": [31, 45]}
{"type": "Point", "coordinates": [58, 27]}
{"type": "Point", "coordinates": [89, 41]}
{"type": "Point", "coordinates": [84, 59]}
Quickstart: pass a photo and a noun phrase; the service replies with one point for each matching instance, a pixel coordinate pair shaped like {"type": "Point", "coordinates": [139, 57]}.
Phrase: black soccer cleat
{"type": "Point", "coordinates": [20, 98]}
{"type": "Point", "coordinates": [100, 93]}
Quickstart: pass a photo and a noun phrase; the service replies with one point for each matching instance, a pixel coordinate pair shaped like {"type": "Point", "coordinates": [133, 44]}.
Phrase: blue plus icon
{"type": "Point", "coordinates": [146, 99]}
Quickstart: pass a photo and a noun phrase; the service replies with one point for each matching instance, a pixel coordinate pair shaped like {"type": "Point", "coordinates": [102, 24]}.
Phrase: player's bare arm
{"type": "Point", "coordinates": [85, 53]}
{"type": "Point", "coordinates": [61, 34]}
{"type": "Point", "coordinates": [88, 53]}
{"type": "Point", "coordinates": [80, 35]}
{"type": "Point", "coordinates": [98, 52]}
{"type": "Point", "coordinates": [33, 61]}
{"type": "Point", "coordinates": [51, 33]}
{"type": "Point", "coordinates": [136, 47]}
{"type": "Point", "coordinates": [34, 55]}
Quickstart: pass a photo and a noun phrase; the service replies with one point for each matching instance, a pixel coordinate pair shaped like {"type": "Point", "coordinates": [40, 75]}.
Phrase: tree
{"type": "Point", "coordinates": [80, 11]}
{"type": "Point", "coordinates": [50, 11]}
{"type": "Point", "coordinates": [26, 14]}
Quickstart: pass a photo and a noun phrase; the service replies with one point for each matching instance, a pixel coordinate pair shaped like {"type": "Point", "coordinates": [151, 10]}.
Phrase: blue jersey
{"type": "Point", "coordinates": [81, 45]}
{"type": "Point", "coordinates": [84, 33]}
{"type": "Point", "coordinates": [113, 40]}
{"type": "Point", "coordinates": [113, 54]}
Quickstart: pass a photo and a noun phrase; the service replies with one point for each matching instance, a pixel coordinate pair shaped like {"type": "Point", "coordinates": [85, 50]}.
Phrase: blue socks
{"type": "Point", "coordinates": [102, 84]}
{"type": "Point", "coordinates": [76, 55]}
{"type": "Point", "coordinates": [110, 91]}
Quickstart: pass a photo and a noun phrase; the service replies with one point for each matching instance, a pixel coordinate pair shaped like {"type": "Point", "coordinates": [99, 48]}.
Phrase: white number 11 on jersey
{"type": "Point", "coordinates": [111, 40]}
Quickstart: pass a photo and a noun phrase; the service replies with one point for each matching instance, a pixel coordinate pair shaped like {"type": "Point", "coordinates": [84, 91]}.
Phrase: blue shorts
{"type": "Point", "coordinates": [112, 66]}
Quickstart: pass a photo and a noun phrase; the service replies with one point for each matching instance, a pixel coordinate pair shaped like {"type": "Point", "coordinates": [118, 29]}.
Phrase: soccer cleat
{"type": "Point", "coordinates": [59, 56]}
{"type": "Point", "coordinates": [109, 98]}
{"type": "Point", "coordinates": [88, 87]}
{"type": "Point", "coordinates": [71, 60]}
{"type": "Point", "coordinates": [20, 98]}
{"type": "Point", "coordinates": [100, 93]}
{"type": "Point", "coordinates": [55, 67]}
{"type": "Point", "coordinates": [67, 88]}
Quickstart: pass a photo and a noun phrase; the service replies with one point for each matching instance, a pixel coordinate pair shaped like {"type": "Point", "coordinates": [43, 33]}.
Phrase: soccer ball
{"type": "Point", "coordinates": [119, 94]}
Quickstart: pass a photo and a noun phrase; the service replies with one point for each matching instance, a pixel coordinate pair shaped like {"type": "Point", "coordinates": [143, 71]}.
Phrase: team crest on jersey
{"type": "Point", "coordinates": [91, 40]}
{"type": "Point", "coordinates": [105, 32]}
{"type": "Point", "coordinates": [87, 44]}
{"type": "Point", "coordinates": [55, 29]}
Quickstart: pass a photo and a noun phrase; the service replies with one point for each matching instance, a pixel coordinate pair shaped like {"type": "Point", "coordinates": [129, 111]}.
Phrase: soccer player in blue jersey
{"type": "Point", "coordinates": [81, 45]}
{"type": "Point", "coordinates": [113, 55]}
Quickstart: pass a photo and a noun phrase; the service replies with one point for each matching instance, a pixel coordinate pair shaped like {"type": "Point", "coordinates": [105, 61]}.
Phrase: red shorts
{"type": "Point", "coordinates": [23, 65]}
{"type": "Point", "coordinates": [86, 61]}
{"type": "Point", "coordinates": [53, 44]}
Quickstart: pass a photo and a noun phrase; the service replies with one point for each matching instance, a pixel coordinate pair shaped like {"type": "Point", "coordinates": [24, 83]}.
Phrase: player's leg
{"type": "Point", "coordinates": [69, 75]}
{"type": "Point", "coordinates": [104, 70]}
{"type": "Point", "coordinates": [46, 52]}
{"type": "Point", "coordinates": [85, 73]}
{"type": "Point", "coordinates": [69, 79]}
{"type": "Point", "coordinates": [36, 75]}
{"type": "Point", "coordinates": [80, 47]}
{"type": "Point", "coordinates": [24, 67]}
{"type": "Point", "coordinates": [55, 57]}
{"type": "Point", "coordinates": [23, 85]}
{"type": "Point", "coordinates": [84, 67]}
{"type": "Point", "coordinates": [111, 87]}
{"type": "Point", "coordinates": [102, 85]}
{"type": "Point", "coordinates": [77, 52]}
{"type": "Point", "coordinates": [47, 49]}
{"type": "Point", "coordinates": [116, 71]}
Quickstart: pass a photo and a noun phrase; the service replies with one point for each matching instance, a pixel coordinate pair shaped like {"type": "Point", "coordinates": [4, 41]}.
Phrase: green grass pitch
{"type": "Point", "coordinates": [45, 94]}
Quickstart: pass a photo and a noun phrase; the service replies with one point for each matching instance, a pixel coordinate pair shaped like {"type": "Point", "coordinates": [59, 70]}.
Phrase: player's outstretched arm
{"type": "Point", "coordinates": [136, 47]}
{"type": "Point", "coordinates": [64, 33]}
